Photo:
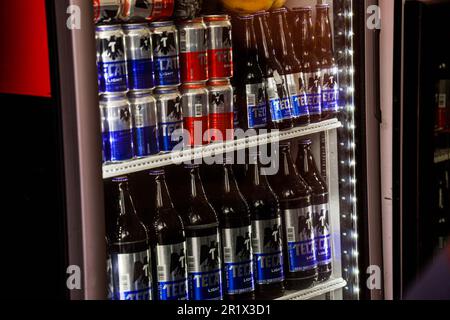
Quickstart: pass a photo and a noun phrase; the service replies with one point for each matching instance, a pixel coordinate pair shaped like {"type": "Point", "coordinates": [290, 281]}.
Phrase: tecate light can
{"type": "Point", "coordinates": [111, 59]}
{"type": "Point", "coordinates": [169, 117]}
{"type": "Point", "coordinates": [143, 113]}
{"type": "Point", "coordinates": [165, 54]}
{"type": "Point", "coordinates": [220, 50]}
{"type": "Point", "coordinates": [106, 10]}
{"type": "Point", "coordinates": [194, 106]}
{"type": "Point", "coordinates": [221, 115]}
{"type": "Point", "coordinates": [146, 9]}
{"type": "Point", "coordinates": [139, 51]}
{"type": "Point", "coordinates": [193, 51]}
{"type": "Point", "coordinates": [187, 9]}
{"type": "Point", "coordinates": [116, 128]}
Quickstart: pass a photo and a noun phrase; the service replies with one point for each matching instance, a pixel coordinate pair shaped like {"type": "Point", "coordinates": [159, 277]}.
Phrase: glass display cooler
{"type": "Point", "coordinates": [345, 148]}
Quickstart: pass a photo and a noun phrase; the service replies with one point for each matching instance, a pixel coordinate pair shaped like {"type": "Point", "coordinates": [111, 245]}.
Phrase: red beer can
{"type": "Point", "coordinates": [105, 10]}
{"type": "Point", "coordinates": [193, 51]}
{"type": "Point", "coordinates": [148, 9]}
{"type": "Point", "coordinates": [194, 105]}
{"type": "Point", "coordinates": [221, 114]}
{"type": "Point", "coordinates": [220, 50]}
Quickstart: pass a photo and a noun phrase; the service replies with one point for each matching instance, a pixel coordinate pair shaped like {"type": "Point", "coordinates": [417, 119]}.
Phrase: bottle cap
{"type": "Point", "coordinates": [120, 179]}
{"type": "Point", "coordinates": [305, 142]}
{"type": "Point", "coordinates": [155, 172]}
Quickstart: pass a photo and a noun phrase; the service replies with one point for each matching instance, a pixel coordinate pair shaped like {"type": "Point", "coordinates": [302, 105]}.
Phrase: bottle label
{"type": "Point", "coordinates": [204, 268]}
{"type": "Point", "coordinates": [171, 271]}
{"type": "Point", "coordinates": [110, 284]}
{"type": "Point", "coordinates": [267, 247]}
{"type": "Point", "coordinates": [300, 239]}
{"type": "Point", "coordinates": [280, 105]}
{"type": "Point", "coordinates": [256, 106]}
{"type": "Point", "coordinates": [297, 92]}
{"type": "Point", "coordinates": [322, 234]}
{"type": "Point", "coordinates": [131, 276]}
{"type": "Point", "coordinates": [238, 260]}
{"type": "Point", "coordinates": [314, 93]}
{"type": "Point", "coordinates": [330, 90]}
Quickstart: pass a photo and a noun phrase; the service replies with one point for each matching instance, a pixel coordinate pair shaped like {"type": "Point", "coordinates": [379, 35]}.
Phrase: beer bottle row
{"type": "Point", "coordinates": [224, 240]}
{"type": "Point", "coordinates": [288, 75]}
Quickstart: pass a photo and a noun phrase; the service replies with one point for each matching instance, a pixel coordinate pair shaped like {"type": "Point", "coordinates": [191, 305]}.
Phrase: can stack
{"type": "Point", "coordinates": [164, 77]}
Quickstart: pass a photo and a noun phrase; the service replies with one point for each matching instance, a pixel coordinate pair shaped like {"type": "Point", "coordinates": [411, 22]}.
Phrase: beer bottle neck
{"type": "Point", "coordinates": [266, 48]}
{"type": "Point", "coordinates": [125, 202]}
{"type": "Point", "coordinates": [286, 162]}
{"type": "Point", "coordinates": [283, 40]}
{"type": "Point", "coordinates": [196, 185]}
{"type": "Point", "coordinates": [229, 183]}
{"type": "Point", "coordinates": [323, 40]}
{"type": "Point", "coordinates": [305, 32]}
{"type": "Point", "coordinates": [162, 193]}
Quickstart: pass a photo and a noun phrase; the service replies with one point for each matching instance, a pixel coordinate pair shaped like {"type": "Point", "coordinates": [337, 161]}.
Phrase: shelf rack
{"type": "Point", "coordinates": [316, 291]}
{"type": "Point", "coordinates": [178, 157]}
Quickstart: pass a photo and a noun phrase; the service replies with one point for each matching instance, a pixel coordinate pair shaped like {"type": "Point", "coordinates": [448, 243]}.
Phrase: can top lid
{"type": "Point", "coordinates": [216, 17]}
{"type": "Point", "coordinates": [194, 85]}
{"type": "Point", "coordinates": [108, 27]}
{"type": "Point", "coordinates": [120, 179]}
{"type": "Point", "coordinates": [167, 90]}
{"type": "Point", "coordinates": [136, 25]}
{"type": "Point", "coordinates": [113, 96]}
{"type": "Point", "coordinates": [285, 144]}
{"type": "Point", "coordinates": [194, 20]}
{"type": "Point", "coordinates": [282, 9]}
{"type": "Point", "coordinates": [302, 9]}
{"type": "Point", "coordinates": [219, 82]}
{"type": "Point", "coordinates": [305, 142]}
{"type": "Point", "coordinates": [245, 17]}
{"type": "Point", "coordinates": [261, 13]}
{"type": "Point", "coordinates": [191, 166]}
{"type": "Point", "coordinates": [138, 94]}
{"type": "Point", "coordinates": [161, 24]}
{"type": "Point", "coordinates": [156, 172]}
{"type": "Point", "coordinates": [322, 6]}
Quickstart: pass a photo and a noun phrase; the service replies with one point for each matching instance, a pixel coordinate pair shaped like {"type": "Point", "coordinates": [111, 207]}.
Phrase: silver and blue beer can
{"type": "Point", "coordinates": [111, 59]}
{"type": "Point", "coordinates": [139, 52]}
{"type": "Point", "coordinates": [117, 128]}
{"type": "Point", "coordinates": [145, 132]}
{"type": "Point", "coordinates": [166, 61]}
{"type": "Point", "coordinates": [169, 118]}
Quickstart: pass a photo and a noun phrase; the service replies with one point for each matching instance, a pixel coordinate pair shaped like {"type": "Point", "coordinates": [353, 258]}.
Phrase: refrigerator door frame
{"type": "Point", "coordinates": [74, 86]}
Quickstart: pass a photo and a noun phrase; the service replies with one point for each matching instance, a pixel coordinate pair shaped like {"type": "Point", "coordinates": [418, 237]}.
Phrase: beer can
{"type": "Point", "coordinates": [221, 115]}
{"type": "Point", "coordinates": [220, 49]}
{"type": "Point", "coordinates": [139, 51]}
{"type": "Point", "coordinates": [143, 113]}
{"type": "Point", "coordinates": [194, 106]}
{"type": "Point", "coordinates": [169, 117]}
{"type": "Point", "coordinates": [187, 9]}
{"type": "Point", "coordinates": [106, 11]}
{"type": "Point", "coordinates": [166, 64]}
{"type": "Point", "coordinates": [146, 9]}
{"type": "Point", "coordinates": [193, 51]}
{"type": "Point", "coordinates": [116, 126]}
{"type": "Point", "coordinates": [111, 59]}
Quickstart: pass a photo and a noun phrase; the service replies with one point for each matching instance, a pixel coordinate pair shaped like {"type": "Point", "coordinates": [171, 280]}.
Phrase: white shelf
{"type": "Point", "coordinates": [162, 160]}
{"type": "Point", "coordinates": [318, 290]}
{"type": "Point", "coordinates": [442, 155]}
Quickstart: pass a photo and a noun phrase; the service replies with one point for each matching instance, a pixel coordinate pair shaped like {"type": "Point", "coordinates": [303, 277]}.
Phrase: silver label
{"type": "Point", "coordinates": [132, 276]}
{"type": "Point", "coordinates": [193, 39]}
{"type": "Point", "coordinates": [300, 239]}
{"type": "Point", "coordinates": [171, 271]}
{"type": "Point", "coordinates": [221, 100]}
{"type": "Point", "coordinates": [195, 105]}
{"type": "Point", "coordinates": [110, 284]}
{"type": "Point", "coordinates": [144, 112]}
{"type": "Point", "coordinates": [116, 117]}
{"type": "Point", "coordinates": [169, 109]}
{"type": "Point", "coordinates": [322, 233]}
{"type": "Point", "coordinates": [165, 42]}
{"type": "Point", "coordinates": [219, 37]}
{"type": "Point", "coordinates": [138, 44]}
{"type": "Point", "coordinates": [110, 46]}
{"type": "Point", "coordinates": [256, 105]}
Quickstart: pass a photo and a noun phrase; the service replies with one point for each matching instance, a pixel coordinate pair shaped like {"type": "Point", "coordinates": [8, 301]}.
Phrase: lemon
{"type": "Point", "coordinates": [247, 6]}
{"type": "Point", "coordinates": [278, 4]}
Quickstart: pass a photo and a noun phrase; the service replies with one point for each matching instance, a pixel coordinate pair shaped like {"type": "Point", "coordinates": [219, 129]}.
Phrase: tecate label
{"type": "Point", "coordinates": [280, 104]}
{"type": "Point", "coordinates": [256, 106]}
{"type": "Point", "coordinates": [169, 119]}
{"type": "Point", "coordinates": [330, 90]}
{"type": "Point", "coordinates": [110, 284]}
{"type": "Point", "coordinates": [267, 247]}
{"type": "Point", "coordinates": [204, 268]}
{"type": "Point", "coordinates": [297, 93]}
{"type": "Point", "coordinates": [220, 53]}
{"type": "Point", "coordinates": [116, 132]}
{"type": "Point", "coordinates": [193, 54]}
{"type": "Point", "coordinates": [145, 135]}
{"type": "Point", "coordinates": [140, 64]}
{"type": "Point", "coordinates": [238, 260]}
{"type": "Point", "coordinates": [322, 234]}
{"type": "Point", "coordinates": [221, 115]}
{"type": "Point", "coordinates": [132, 276]}
{"type": "Point", "coordinates": [111, 62]}
{"type": "Point", "coordinates": [300, 239]}
{"type": "Point", "coordinates": [314, 93]}
{"type": "Point", "coordinates": [171, 272]}
{"type": "Point", "coordinates": [166, 60]}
